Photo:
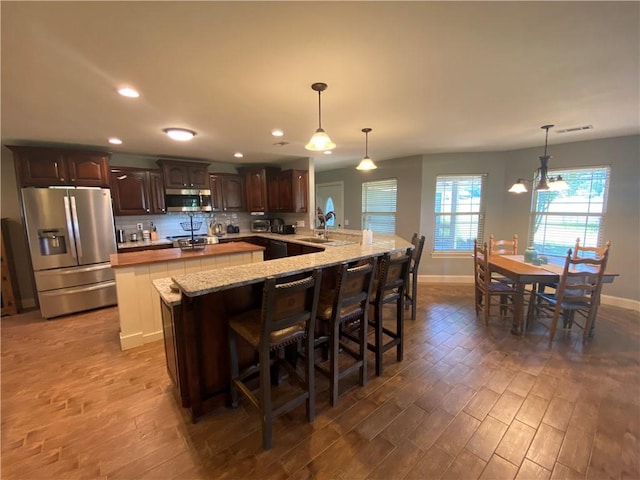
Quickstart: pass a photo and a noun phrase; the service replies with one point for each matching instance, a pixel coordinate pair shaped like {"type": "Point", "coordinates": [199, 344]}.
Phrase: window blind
{"type": "Point", "coordinates": [558, 218]}
{"type": "Point", "coordinates": [459, 212]}
{"type": "Point", "coordinates": [379, 200]}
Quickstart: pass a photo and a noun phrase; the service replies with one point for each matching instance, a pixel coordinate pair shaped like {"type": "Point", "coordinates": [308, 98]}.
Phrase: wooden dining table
{"type": "Point", "coordinates": [514, 268]}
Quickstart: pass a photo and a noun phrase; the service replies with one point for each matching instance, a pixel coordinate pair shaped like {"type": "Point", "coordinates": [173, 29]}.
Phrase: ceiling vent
{"type": "Point", "coordinates": [575, 129]}
{"type": "Point", "coordinates": [281, 143]}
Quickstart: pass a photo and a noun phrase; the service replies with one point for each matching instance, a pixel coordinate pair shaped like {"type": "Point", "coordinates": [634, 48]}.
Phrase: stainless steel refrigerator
{"type": "Point", "coordinates": [71, 235]}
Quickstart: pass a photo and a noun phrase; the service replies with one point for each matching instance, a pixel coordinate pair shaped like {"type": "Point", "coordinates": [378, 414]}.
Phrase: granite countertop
{"type": "Point", "coordinates": [169, 296]}
{"type": "Point", "coordinates": [129, 259]}
{"type": "Point", "coordinates": [201, 283]}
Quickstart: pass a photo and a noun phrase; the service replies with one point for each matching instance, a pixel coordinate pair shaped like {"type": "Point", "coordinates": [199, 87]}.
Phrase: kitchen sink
{"type": "Point", "coordinates": [328, 242]}
{"type": "Point", "coordinates": [315, 240]}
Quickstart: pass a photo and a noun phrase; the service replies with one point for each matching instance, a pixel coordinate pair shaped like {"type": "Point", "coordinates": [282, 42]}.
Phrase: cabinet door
{"type": "Point", "coordinates": [156, 192]}
{"type": "Point", "coordinates": [130, 192]}
{"type": "Point", "coordinates": [87, 169]}
{"type": "Point", "coordinates": [285, 187]}
{"type": "Point", "coordinates": [273, 194]}
{"type": "Point", "coordinates": [300, 194]}
{"type": "Point", "coordinates": [256, 191]}
{"type": "Point", "coordinates": [198, 177]}
{"type": "Point", "coordinates": [216, 193]}
{"type": "Point", "coordinates": [175, 176]}
{"type": "Point", "coordinates": [40, 167]}
{"type": "Point", "coordinates": [233, 193]}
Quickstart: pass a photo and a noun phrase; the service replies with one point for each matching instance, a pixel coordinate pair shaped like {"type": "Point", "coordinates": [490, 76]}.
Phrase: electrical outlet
{"type": "Point", "coordinates": [299, 223]}
{"type": "Point", "coordinates": [139, 226]}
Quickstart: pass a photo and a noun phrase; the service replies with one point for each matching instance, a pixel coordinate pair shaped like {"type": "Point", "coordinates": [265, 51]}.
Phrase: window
{"type": "Point", "coordinates": [558, 218]}
{"type": "Point", "coordinates": [459, 212]}
{"type": "Point", "coordinates": [379, 205]}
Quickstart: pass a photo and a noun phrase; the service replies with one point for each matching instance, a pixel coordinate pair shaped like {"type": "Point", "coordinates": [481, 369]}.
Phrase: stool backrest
{"type": "Point", "coordinates": [353, 289]}
{"type": "Point", "coordinates": [393, 275]}
{"type": "Point", "coordinates": [418, 245]}
{"type": "Point", "coordinates": [290, 301]}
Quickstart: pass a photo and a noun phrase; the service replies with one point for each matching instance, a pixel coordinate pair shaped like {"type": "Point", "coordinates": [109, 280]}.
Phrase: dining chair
{"type": "Point", "coordinates": [586, 252]}
{"type": "Point", "coordinates": [487, 288]}
{"type": "Point", "coordinates": [411, 294]}
{"type": "Point", "coordinates": [578, 292]}
{"type": "Point", "coordinates": [286, 318]}
{"type": "Point", "coordinates": [346, 306]}
{"type": "Point", "coordinates": [503, 247]}
{"type": "Point", "coordinates": [389, 287]}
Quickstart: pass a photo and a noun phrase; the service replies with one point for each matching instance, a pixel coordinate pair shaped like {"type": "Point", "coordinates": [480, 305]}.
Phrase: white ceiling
{"type": "Point", "coordinates": [425, 76]}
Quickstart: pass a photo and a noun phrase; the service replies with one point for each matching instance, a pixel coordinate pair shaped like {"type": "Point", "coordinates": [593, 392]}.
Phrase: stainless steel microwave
{"type": "Point", "coordinates": [187, 200]}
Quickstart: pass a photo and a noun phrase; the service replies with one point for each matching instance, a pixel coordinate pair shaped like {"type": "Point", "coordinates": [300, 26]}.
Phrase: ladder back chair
{"type": "Point", "coordinates": [287, 316]}
{"type": "Point", "coordinates": [503, 247]}
{"type": "Point", "coordinates": [346, 306]}
{"type": "Point", "coordinates": [411, 294]}
{"type": "Point", "coordinates": [578, 292]}
{"type": "Point", "coordinates": [487, 288]}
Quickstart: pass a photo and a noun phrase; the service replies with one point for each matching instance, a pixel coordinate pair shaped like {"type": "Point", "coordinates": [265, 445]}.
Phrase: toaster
{"type": "Point", "coordinates": [262, 225]}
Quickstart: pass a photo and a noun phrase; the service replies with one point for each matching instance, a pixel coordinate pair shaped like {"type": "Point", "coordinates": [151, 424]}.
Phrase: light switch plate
{"type": "Point", "coordinates": [139, 226]}
{"type": "Point", "coordinates": [299, 223]}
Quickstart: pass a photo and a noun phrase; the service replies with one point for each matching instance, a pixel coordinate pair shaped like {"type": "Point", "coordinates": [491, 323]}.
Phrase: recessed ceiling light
{"type": "Point", "coordinates": [277, 132]}
{"type": "Point", "coordinates": [115, 141]}
{"type": "Point", "coordinates": [128, 92]}
{"type": "Point", "coordinates": [238, 155]}
{"type": "Point", "coordinates": [327, 152]}
{"type": "Point", "coordinates": [180, 134]}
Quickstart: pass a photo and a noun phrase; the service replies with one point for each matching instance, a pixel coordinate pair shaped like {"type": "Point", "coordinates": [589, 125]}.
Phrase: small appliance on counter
{"type": "Point", "coordinates": [287, 230]}
{"type": "Point", "coordinates": [260, 226]}
{"type": "Point", "coordinates": [276, 225]}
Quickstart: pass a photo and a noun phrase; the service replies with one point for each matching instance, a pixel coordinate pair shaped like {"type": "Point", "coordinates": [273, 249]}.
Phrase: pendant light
{"type": "Point", "coordinates": [366, 163]}
{"type": "Point", "coordinates": [544, 182]}
{"type": "Point", "coordinates": [320, 141]}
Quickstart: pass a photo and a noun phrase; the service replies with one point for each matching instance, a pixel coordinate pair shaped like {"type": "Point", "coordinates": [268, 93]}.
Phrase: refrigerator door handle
{"type": "Point", "coordinates": [76, 227]}
{"type": "Point", "coordinates": [67, 214]}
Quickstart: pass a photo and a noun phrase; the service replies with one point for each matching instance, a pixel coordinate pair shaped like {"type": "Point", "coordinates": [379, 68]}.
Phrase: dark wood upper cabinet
{"type": "Point", "coordinates": [299, 181]}
{"type": "Point", "coordinates": [288, 191]}
{"type": "Point", "coordinates": [271, 190]}
{"type": "Point", "coordinates": [156, 191]}
{"type": "Point", "coordinates": [185, 174]}
{"type": "Point", "coordinates": [136, 191]}
{"type": "Point", "coordinates": [44, 167]}
{"type": "Point", "coordinates": [227, 192]}
{"type": "Point", "coordinates": [256, 187]}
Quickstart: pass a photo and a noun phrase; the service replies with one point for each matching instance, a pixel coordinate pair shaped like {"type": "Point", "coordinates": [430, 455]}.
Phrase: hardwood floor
{"type": "Point", "coordinates": [467, 402]}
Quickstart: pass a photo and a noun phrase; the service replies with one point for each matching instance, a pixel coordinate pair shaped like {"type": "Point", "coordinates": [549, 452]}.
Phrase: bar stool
{"type": "Point", "coordinates": [348, 307]}
{"type": "Point", "coordinates": [287, 316]}
{"type": "Point", "coordinates": [411, 296]}
{"type": "Point", "coordinates": [389, 288]}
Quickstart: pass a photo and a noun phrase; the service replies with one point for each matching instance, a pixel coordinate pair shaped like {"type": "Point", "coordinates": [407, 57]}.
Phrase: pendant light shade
{"type": "Point", "coordinates": [320, 141]}
{"type": "Point", "coordinates": [366, 163]}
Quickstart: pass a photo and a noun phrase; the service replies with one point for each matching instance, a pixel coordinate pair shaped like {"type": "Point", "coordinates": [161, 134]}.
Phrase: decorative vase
{"type": "Point", "coordinates": [530, 255]}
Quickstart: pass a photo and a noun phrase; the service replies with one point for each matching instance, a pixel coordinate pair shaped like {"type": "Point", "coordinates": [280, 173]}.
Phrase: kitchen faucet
{"type": "Point", "coordinates": [323, 218]}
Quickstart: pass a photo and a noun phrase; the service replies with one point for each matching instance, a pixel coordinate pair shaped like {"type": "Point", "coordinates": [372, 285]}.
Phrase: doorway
{"type": "Point", "coordinates": [330, 198]}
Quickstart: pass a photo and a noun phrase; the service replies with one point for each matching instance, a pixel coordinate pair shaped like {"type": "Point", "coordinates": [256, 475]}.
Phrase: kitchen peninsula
{"type": "Point", "coordinates": [196, 343]}
{"type": "Point", "coordinates": [138, 300]}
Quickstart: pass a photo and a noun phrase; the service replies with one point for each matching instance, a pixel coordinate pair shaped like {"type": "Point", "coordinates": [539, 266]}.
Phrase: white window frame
{"type": "Point", "coordinates": [549, 232]}
{"type": "Point", "coordinates": [379, 205]}
{"type": "Point", "coordinates": [447, 186]}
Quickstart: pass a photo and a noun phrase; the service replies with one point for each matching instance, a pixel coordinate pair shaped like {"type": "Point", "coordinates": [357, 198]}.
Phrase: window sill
{"type": "Point", "coordinates": [464, 254]}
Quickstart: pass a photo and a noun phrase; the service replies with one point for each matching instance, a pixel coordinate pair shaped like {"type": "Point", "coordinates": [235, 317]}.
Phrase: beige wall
{"type": "Point", "coordinates": [508, 213]}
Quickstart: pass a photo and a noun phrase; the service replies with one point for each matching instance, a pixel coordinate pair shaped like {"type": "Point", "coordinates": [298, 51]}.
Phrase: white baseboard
{"type": "Point", "coordinates": [627, 303]}
{"type": "Point", "coordinates": [131, 341]}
